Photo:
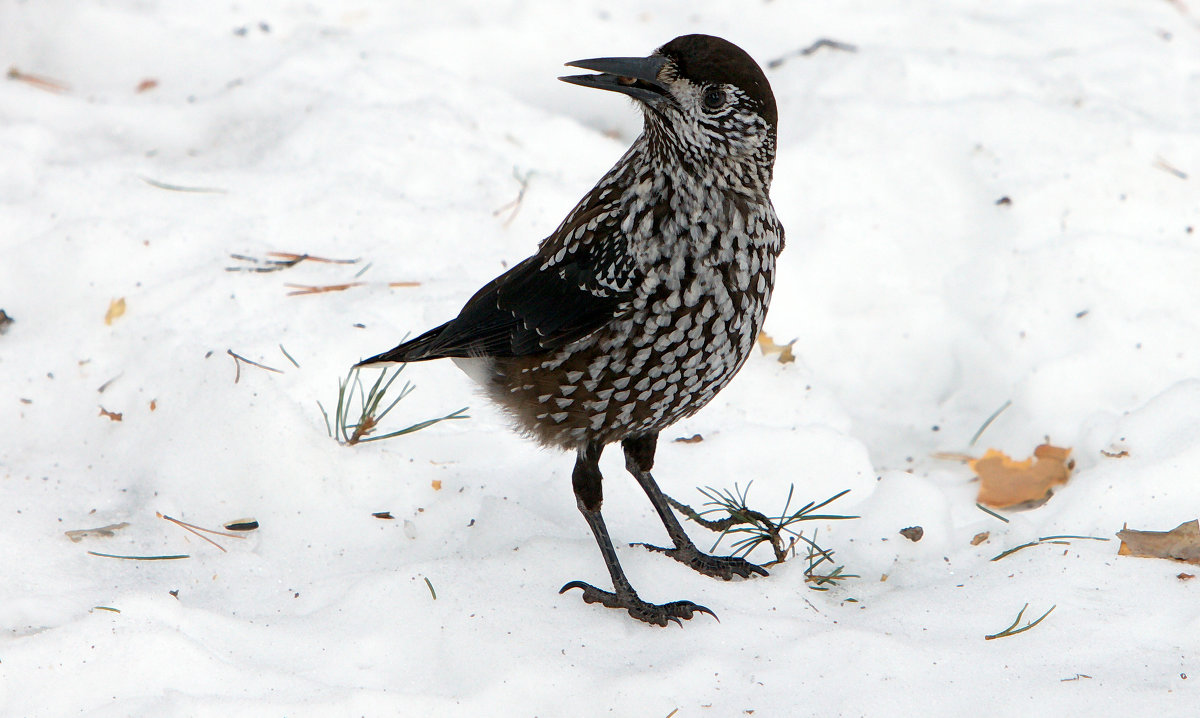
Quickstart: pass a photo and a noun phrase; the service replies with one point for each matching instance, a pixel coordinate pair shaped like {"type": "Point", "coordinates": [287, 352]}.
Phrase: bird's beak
{"type": "Point", "coordinates": [633, 76]}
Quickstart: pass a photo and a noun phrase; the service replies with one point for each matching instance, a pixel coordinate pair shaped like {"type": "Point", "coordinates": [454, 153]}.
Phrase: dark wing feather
{"type": "Point", "coordinates": [575, 284]}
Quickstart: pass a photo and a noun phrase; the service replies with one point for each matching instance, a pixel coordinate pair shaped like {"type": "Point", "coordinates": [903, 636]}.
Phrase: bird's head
{"type": "Point", "coordinates": [704, 95]}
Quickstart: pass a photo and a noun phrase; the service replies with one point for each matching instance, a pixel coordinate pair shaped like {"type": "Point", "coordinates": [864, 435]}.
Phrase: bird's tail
{"type": "Point", "coordinates": [422, 348]}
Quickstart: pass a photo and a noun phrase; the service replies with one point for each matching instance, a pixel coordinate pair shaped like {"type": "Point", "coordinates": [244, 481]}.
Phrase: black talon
{"type": "Point", "coordinates": [652, 613]}
{"type": "Point", "coordinates": [574, 584]}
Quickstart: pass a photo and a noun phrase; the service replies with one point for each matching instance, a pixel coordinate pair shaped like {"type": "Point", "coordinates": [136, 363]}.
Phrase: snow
{"type": "Point", "coordinates": [393, 133]}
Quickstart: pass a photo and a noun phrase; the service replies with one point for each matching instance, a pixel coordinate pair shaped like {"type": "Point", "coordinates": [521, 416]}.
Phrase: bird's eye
{"type": "Point", "coordinates": [714, 98]}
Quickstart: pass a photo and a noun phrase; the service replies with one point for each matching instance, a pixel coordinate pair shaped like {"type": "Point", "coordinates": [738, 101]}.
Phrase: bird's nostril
{"type": "Point", "coordinates": [627, 81]}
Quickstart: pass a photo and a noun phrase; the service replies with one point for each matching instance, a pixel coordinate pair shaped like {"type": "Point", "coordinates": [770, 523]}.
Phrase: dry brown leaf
{"type": "Point", "coordinates": [980, 537]}
{"type": "Point", "coordinates": [113, 415]}
{"type": "Point", "coordinates": [116, 309]}
{"type": "Point", "coordinates": [437, 484]}
{"type": "Point", "coordinates": [148, 84]}
{"type": "Point", "coordinates": [1006, 483]}
{"type": "Point", "coordinates": [913, 533]}
{"type": "Point", "coordinates": [693, 439]}
{"type": "Point", "coordinates": [1181, 543]}
{"type": "Point", "coordinates": [768, 346]}
{"type": "Point", "coordinates": [108, 531]}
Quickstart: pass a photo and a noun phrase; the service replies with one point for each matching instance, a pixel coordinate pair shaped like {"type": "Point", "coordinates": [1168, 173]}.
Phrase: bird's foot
{"type": "Point", "coordinates": [653, 613]}
{"type": "Point", "coordinates": [723, 567]}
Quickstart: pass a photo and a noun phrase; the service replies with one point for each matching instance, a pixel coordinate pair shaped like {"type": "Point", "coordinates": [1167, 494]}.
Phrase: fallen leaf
{"type": "Point", "coordinates": [116, 309]}
{"type": "Point", "coordinates": [1181, 543]}
{"type": "Point", "coordinates": [1006, 483]}
{"type": "Point", "coordinates": [769, 347]}
{"type": "Point", "coordinates": [437, 484]}
{"type": "Point", "coordinates": [1115, 454]}
{"type": "Point", "coordinates": [980, 537]}
{"type": "Point", "coordinates": [148, 84]}
{"type": "Point", "coordinates": [693, 439]}
{"type": "Point", "coordinates": [913, 533]}
{"type": "Point", "coordinates": [242, 525]}
{"type": "Point", "coordinates": [383, 515]}
{"type": "Point", "coordinates": [113, 415]}
{"type": "Point", "coordinates": [153, 404]}
{"type": "Point", "coordinates": [1185, 576]}
{"type": "Point", "coordinates": [100, 532]}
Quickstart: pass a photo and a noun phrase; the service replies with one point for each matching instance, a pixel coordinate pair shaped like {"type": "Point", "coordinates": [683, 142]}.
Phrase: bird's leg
{"type": "Point", "coordinates": [589, 495]}
{"type": "Point", "coordinates": [639, 459]}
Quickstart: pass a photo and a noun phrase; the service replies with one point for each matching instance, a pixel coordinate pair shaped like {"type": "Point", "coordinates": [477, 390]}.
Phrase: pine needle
{"type": "Point", "coordinates": [1010, 630]}
{"type": "Point", "coordinates": [988, 422]}
{"type": "Point", "coordinates": [358, 411]}
{"type": "Point", "coordinates": [192, 528]}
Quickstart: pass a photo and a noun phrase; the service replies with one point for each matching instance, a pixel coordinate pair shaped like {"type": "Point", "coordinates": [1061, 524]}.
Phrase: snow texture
{"type": "Point", "coordinates": [921, 301]}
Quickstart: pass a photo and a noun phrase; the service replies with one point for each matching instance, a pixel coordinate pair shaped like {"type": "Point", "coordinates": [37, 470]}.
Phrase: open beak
{"type": "Point", "coordinates": [633, 76]}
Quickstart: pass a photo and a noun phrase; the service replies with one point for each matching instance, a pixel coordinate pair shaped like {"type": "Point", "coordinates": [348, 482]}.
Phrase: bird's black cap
{"type": "Point", "coordinates": [708, 59]}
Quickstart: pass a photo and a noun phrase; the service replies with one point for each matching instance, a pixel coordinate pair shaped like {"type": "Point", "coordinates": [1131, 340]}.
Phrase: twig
{"type": "Point", "coordinates": [139, 558]}
{"type": "Point", "coordinates": [988, 422]}
{"type": "Point", "coordinates": [304, 289]}
{"type": "Point", "coordinates": [721, 525]}
{"type": "Point", "coordinates": [297, 258]}
{"type": "Point", "coordinates": [237, 361]}
{"type": "Point", "coordinates": [515, 205]}
{"type": "Point", "coordinates": [180, 188]}
{"type": "Point", "coordinates": [1167, 167]}
{"type": "Point", "coordinates": [281, 261]}
{"type": "Point", "coordinates": [1010, 632]}
{"type": "Point", "coordinates": [805, 52]}
{"type": "Point", "coordinates": [430, 585]}
{"type": "Point", "coordinates": [42, 83]}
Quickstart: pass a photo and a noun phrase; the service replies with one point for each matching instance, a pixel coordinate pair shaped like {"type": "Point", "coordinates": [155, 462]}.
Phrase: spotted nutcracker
{"type": "Point", "coordinates": [649, 296]}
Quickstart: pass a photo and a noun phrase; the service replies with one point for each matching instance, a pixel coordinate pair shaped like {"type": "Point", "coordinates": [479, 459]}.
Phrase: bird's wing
{"type": "Point", "coordinates": [575, 284]}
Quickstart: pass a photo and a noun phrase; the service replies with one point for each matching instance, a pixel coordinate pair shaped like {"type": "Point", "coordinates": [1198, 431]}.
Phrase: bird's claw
{"type": "Point", "coordinates": [653, 613]}
{"type": "Point", "coordinates": [723, 567]}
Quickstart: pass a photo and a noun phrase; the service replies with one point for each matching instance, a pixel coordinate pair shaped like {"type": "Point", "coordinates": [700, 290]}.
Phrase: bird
{"type": "Point", "coordinates": [646, 300]}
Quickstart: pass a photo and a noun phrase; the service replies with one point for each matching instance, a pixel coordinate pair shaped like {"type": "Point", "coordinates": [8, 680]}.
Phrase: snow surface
{"type": "Point", "coordinates": [392, 132]}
